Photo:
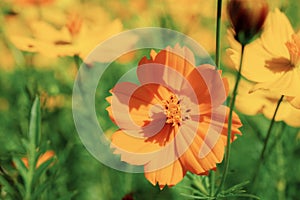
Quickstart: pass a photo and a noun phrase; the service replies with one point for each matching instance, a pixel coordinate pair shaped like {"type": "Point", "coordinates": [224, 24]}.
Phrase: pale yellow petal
{"type": "Point", "coordinates": [288, 84]}
{"type": "Point", "coordinates": [24, 43]}
{"type": "Point", "coordinates": [277, 31]}
{"type": "Point", "coordinates": [295, 101]}
{"type": "Point", "coordinates": [48, 33]}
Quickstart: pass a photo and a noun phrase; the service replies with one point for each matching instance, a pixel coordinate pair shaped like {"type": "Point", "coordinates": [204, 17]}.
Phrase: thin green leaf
{"type": "Point", "coordinates": [196, 197]}
{"type": "Point", "coordinates": [236, 187]}
{"type": "Point", "coordinates": [42, 169]}
{"type": "Point", "coordinates": [68, 196]}
{"type": "Point", "coordinates": [20, 167]}
{"type": "Point", "coordinates": [243, 195]}
{"type": "Point", "coordinates": [40, 189]}
{"type": "Point", "coordinates": [25, 143]}
{"type": "Point", "coordinates": [35, 123]}
{"type": "Point", "coordinates": [188, 187]}
{"type": "Point", "coordinates": [20, 188]}
{"type": "Point", "coordinates": [7, 186]}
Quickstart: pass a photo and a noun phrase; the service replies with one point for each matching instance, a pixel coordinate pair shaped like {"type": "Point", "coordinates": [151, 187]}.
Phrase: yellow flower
{"type": "Point", "coordinates": [33, 2]}
{"type": "Point", "coordinates": [272, 61]}
{"type": "Point", "coordinates": [84, 27]}
{"type": "Point", "coordinates": [52, 102]}
{"type": "Point", "coordinates": [192, 18]}
{"type": "Point", "coordinates": [263, 102]}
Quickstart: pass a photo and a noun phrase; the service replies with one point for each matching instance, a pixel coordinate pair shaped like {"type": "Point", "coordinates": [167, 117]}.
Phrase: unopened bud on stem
{"type": "Point", "coordinates": [247, 18]}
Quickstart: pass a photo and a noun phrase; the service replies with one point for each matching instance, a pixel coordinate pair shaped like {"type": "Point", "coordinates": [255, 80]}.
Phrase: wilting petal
{"type": "Point", "coordinates": [170, 175]}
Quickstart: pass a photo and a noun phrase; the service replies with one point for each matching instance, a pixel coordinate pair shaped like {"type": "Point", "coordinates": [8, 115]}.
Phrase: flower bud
{"type": "Point", "coordinates": [43, 158]}
{"type": "Point", "coordinates": [247, 18]}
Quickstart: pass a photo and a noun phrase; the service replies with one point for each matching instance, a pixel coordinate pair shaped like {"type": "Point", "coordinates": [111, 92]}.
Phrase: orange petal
{"type": "Point", "coordinates": [179, 59]}
{"type": "Point", "coordinates": [170, 175]}
{"type": "Point", "coordinates": [235, 125]}
{"type": "Point", "coordinates": [119, 103]}
{"type": "Point", "coordinates": [191, 158]}
{"type": "Point", "coordinates": [208, 85]}
{"type": "Point", "coordinates": [139, 151]}
{"type": "Point", "coordinates": [145, 98]}
{"type": "Point", "coordinates": [219, 122]}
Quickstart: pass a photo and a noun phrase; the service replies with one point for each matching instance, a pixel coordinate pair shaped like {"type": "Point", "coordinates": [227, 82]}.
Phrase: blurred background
{"type": "Point", "coordinates": [42, 43]}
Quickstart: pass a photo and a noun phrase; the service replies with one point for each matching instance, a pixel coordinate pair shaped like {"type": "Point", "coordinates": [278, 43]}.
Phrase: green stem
{"type": "Point", "coordinates": [77, 61]}
{"type": "Point", "coordinates": [217, 62]}
{"type": "Point", "coordinates": [262, 154]}
{"type": "Point", "coordinates": [228, 146]}
{"type": "Point", "coordinates": [218, 34]}
{"type": "Point", "coordinates": [281, 182]}
{"type": "Point", "coordinates": [212, 183]}
{"type": "Point", "coordinates": [278, 138]}
{"type": "Point", "coordinates": [31, 167]}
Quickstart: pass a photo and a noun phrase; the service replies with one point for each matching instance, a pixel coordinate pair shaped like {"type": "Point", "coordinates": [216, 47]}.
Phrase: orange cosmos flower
{"type": "Point", "coordinates": [272, 61]}
{"type": "Point", "coordinates": [174, 121]}
{"type": "Point", "coordinates": [43, 158]}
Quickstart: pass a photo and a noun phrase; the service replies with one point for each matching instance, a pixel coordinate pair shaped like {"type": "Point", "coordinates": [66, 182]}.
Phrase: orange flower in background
{"type": "Point", "coordinates": [43, 158]}
{"type": "Point", "coordinates": [272, 61]}
{"type": "Point", "coordinates": [82, 29]}
{"type": "Point", "coordinates": [175, 120]}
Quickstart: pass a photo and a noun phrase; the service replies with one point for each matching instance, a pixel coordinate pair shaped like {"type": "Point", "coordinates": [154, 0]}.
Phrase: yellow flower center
{"type": "Point", "coordinates": [294, 49]}
{"type": "Point", "coordinates": [172, 110]}
{"type": "Point", "coordinates": [74, 24]}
